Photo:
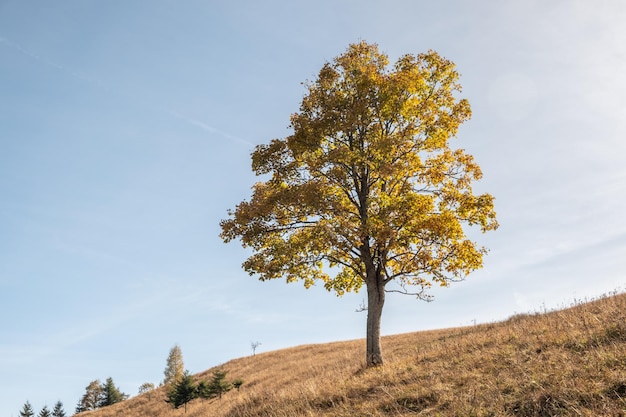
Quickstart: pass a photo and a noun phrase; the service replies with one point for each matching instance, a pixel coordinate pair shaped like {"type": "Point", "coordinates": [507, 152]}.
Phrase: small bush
{"type": "Point", "coordinates": [237, 383]}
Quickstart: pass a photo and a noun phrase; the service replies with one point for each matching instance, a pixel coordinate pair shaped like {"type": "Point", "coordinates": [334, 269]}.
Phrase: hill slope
{"type": "Point", "coordinates": [567, 362]}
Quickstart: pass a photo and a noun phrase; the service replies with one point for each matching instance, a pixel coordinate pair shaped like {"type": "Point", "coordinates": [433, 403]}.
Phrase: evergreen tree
{"type": "Point", "coordinates": [58, 410]}
{"type": "Point", "coordinates": [45, 412]}
{"type": "Point", "coordinates": [111, 394]}
{"type": "Point", "coordinates": [182, 391]}
{"type": "Point", "coordinates": [79, 407]}
{"type": "Point", "coordinates": [175, 368]}
{"type": "Point", "coordinates": [92, 397]}
{"type": "Point", "coordinates": [219, 384]}
{"type": "Point", "coordinates": [27, 410]}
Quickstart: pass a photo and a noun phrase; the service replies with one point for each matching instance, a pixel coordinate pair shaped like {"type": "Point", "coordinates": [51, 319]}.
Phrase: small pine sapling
{"type": "Point", "coordinates": [218, 385]}
{"type": "Point", "coordinates": [182, 391]}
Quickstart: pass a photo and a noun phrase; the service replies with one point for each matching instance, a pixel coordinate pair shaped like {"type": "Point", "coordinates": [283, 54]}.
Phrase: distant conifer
{"type": "Point", "coordinates": [111, 394]}
{"type": "Point", "coordinates": [182, 391]}
{"type": "Point", "coordinates": [44, 412]}
{"type": "Point", "coordinates": [79, 407]}
{"type": "Point", "coordinates": [58, 410]}
{"type": "Point", "coordinates": [27, 410]}
{"type": "Point", "coordinates": [218, 385]}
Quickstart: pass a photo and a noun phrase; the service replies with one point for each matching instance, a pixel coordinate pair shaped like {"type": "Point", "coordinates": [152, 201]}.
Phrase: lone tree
{"type": "Point", "coordinates": [367, 189]}
{"type": "Point", "coordinates": [175, 367]}
{"type": "Point", "coordinates": [254, 346]}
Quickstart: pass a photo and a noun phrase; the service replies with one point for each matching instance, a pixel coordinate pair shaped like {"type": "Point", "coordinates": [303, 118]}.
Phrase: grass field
{"type": "Point", "coordinates": [570, 362]}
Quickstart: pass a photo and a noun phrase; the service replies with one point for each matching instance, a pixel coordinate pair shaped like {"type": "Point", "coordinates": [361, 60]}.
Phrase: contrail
{"type": "Point", "coordinates": [94, 81]}
{"type": "Point", "coordinates": [208, 128]}
{"type": "Point", "coordinates": [75, 74]}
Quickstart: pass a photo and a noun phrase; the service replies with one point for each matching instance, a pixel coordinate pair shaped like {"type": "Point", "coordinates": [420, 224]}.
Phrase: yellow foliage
{"type": "Point", "coordinates": [367, 181]}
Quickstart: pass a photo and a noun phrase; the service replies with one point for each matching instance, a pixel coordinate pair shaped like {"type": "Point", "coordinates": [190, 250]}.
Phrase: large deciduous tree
{"type": "Point", "coordinates": [367, 189]}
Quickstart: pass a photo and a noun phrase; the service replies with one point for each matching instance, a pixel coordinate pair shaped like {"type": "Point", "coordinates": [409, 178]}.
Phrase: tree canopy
{"type": "Point", "coordinates": [367, 190]}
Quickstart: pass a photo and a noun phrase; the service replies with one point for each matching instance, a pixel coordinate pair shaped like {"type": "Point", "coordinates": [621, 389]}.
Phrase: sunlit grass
{"type": "Point", "coordinates": [560, 363]}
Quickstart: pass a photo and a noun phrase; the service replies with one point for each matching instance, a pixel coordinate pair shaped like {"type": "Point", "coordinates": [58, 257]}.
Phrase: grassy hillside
{"type": "Point", "coordinates": [564, 363]}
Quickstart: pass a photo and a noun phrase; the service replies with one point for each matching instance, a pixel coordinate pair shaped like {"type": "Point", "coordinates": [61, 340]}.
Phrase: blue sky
{"type": "Point", "coordinates": [125, 134]}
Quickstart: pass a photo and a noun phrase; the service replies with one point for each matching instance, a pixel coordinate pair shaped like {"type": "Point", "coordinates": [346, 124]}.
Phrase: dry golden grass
{"type": "Point", "coordinates": [570, 362]}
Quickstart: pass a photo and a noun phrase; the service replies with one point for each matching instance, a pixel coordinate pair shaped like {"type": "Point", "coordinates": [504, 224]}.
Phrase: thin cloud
{"type": "Point", "coordinates": [76, 74]}
{"type": "Point", "coordinates": [100, 84]}
{"type": "Point", "coordinates": [88, 328]}
{"type": "Point", "coordinates": [594, 251]}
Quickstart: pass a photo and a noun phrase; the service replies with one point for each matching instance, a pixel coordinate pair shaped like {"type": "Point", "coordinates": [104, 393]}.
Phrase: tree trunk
{"type": "Point", "coordinates": [375, 302]}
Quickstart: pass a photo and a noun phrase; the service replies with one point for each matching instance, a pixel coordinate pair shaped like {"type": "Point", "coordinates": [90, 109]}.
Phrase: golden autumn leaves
{"type": "Point", "coordinates": [367, 189]}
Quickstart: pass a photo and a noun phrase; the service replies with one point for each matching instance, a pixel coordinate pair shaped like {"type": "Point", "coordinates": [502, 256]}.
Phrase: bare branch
{"type": "Point", "coordinates": [362, 307]}
{"type": "Point", "coordinates": [421, 295]}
